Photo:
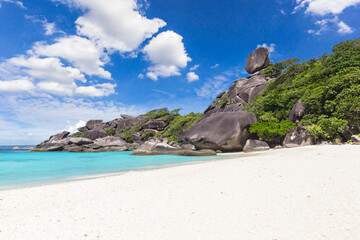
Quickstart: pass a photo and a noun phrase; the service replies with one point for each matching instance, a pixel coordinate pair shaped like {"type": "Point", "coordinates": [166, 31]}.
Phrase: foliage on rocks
{"type": "Point", "coordinates": [177, 124]}
{"type": "Point", "coordinates": [328, 86]}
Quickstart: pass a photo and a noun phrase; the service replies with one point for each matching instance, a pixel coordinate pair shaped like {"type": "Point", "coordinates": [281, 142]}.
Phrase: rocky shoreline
{"type": "Point", "coordinates": [224, 126]}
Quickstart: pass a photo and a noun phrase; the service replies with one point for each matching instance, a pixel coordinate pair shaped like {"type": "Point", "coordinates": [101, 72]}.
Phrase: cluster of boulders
{"type": "Point", "coordinates": [225, 125]}
{"type": "Point", "coordinates": [98, 136]}
{"type": "Point", "coordinates": [223, 128]}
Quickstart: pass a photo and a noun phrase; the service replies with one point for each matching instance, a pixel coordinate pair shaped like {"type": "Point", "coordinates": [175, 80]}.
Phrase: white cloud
{"type": "Point", "coordinates": [44, 116]}
{"type": "Point", "coordinates": [99, 90]}
{"type": "Point", "coordinates": [192, 77]}
{"type": "Point", "coordinates": [215, 66]}
{"type": "Point", "coordinates": [325, 24]}
{"type": "Point", "coordinates": [46, 69]}
{"type": "Point", "coordinates": [324, 7]}
{"type": "Point", "coordinates": [50, 28]}
{"type": "Point", "coordinates": [344, 29]}
{"type": "Point", "coordinates": [18, 3]}
{"type": "Point", "coordinates": [81, 52]}
{"type": "Point", "coordinates": [271, 46]}
{"type": "Point", "coordinates": [115, 25]}
{"type": "Point", "coordinates": [141, 76]}
{"type": "Point", "coordinates": [23, 85]}
{"type": "Point", "coordinates": [327, 7]}
{"type": "Point", "coordinates": [282, 12]}
{"type": "Point", "coordinates": [73, 128]}
{"type": "Point", "coordinates": [194, 67]}
{"type": "Point", "coordinates": [48, 75]}
{"type": "Point", "coordinates": [167, 54]}
{"type": "Point", "coordinates": [57, 88]}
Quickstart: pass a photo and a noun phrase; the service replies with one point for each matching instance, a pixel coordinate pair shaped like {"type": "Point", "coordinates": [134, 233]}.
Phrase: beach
{"type": "Point", "coordinates": [300, 193]}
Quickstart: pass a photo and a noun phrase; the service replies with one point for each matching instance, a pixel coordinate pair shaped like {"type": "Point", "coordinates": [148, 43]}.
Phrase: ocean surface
{"type": "Point", "coordinates": [21, 168]}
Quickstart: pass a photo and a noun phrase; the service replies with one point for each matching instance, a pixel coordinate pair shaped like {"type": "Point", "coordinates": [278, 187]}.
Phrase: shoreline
{"type": "Point", "coordinates": [299, 193]}
{"type": "Point", "coordinates": [220, 157]}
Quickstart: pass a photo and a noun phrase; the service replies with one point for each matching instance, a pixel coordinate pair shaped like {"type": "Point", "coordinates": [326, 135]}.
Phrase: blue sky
{"type": "Point", "coordinates": [63, 62]}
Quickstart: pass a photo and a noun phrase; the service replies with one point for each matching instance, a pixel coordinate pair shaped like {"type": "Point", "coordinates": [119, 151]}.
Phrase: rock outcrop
{"type": "Point", "coordinates": [297, 112]}
{"type": "Point", "coordinates": [54, 143]}
{"type": "Point", "coordinates": [255, 146]}
{"type": "Point", "coordinates": [297, 137]}
{"type": "Point", "coordinates": [154, 147]}
{"type": "Point", "coordinates": [225, 131]}
{"type": "Point", "coordinates": [95, 134]}
{"type": "Point", "coordinates": [155, 124]}
{"type": "Point", "coordinates": [355, 139]}
{"type": "Point", "coordinates": [258, 60]}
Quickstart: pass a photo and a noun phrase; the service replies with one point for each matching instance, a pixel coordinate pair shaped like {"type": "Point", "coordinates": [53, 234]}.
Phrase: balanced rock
{"type": "Point", "coordinates": [258, 60]}
{"type": "Point", "coordinates": [225, 131]}
{"type": "Point", "coordinates": [255, 146]}
{"type": "Point", "coordinates": [297, 137]}
{"type": "Point", "coordinates": [297, 112]}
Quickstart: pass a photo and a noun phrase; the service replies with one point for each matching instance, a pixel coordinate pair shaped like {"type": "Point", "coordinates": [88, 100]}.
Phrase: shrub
{"type": "Point", "coordinates": [328, 85]}
{"type": "Point", "coordinates": [80, 134]}
{"type": "Point", "coordinates": [110, 131]}
{"type": "Point", "coordinates": [332, 126]}
{"type": "Point", "coordinates": [315, 130]}
{"type": "Point", "coordinates": [272, 130]}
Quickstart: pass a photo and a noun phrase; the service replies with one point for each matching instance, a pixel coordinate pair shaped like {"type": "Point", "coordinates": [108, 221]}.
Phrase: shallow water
{"type": "Point", "coordinates": [20, 168]}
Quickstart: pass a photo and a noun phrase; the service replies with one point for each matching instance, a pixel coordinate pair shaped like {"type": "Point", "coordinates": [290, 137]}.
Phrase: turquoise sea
{"type": "Point", "coordinates": [21, 168]}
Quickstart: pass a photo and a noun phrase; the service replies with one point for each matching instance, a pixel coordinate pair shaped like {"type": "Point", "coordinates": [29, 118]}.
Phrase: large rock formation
{"type": "Point", "coordinates": [156, 147]}
{"type": "Point", "coordinates": [255, 146]}
{"type": "Point", "coordinates": [155, 124]}
{"type": "Point", "coordinates": [224, 125]}
{"type": "Point", "coordinates": [297, 137]}
{"type": "Point", "coordinates": [297, 112]}
{"type": "Point", "coordinates": [54, 143]}
{"type": "Point", "coordinates": [95, 134]}
{"type": "Point", "coordinates": [258, 60]}
{"type": "Point", "coordinates": [225, 131]}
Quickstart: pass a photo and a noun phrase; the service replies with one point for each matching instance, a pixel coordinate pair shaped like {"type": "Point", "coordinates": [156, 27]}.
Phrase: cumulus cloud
{"type": "Point", "coordinates": [192, 77]}
{"type": "Point", "coordinates": [167, 54]}
{"type": "Point", "coordinates": [43, 116]}
{"type": "Point", "coordinates": [48, 75]}
{"type": "Point", "coordinates": [325, 24]}
{"type": "Point", "coordinates": [46, 69]}
{"type": "Point", "coordinates": [115, 25]}
{"type": "Point", "coordinates": [271, 46]}
{"type": "Point", "coordinates": [344, 28]}
{"type": "Point", "coordinates": [73, 128]}
{"type": "Point", "coordinates": [23, 85]}
{"type": "Point", "coordinates": [98, 90]}
{"type": "Point", "coordinates": [81, 52]}
{"type": "Point", "coordinates": [324, 8]}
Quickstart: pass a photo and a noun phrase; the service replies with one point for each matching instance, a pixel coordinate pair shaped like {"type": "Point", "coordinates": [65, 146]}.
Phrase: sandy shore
{"type": "Point", "coordinates": [304, 193]}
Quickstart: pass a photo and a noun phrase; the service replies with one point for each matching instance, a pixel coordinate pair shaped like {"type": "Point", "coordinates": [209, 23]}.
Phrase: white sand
{"type": "Point", "coordinates": [304, 193]}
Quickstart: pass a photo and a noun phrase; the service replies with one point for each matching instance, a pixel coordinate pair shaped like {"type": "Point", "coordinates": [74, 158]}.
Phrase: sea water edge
{"type": "Point", "coordinates": [23, 169]}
